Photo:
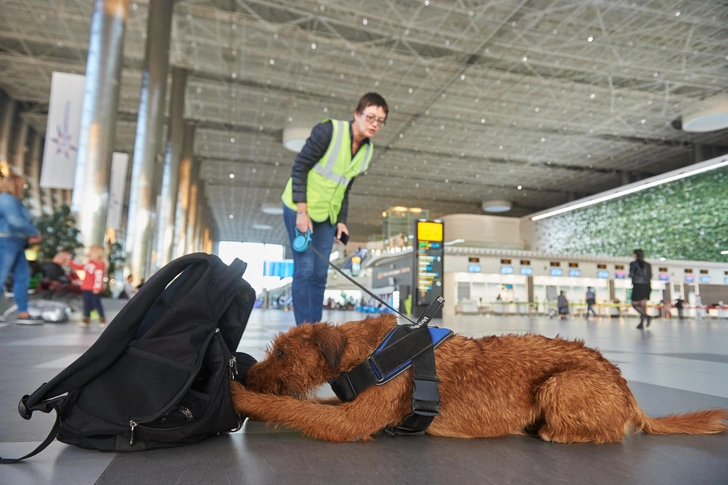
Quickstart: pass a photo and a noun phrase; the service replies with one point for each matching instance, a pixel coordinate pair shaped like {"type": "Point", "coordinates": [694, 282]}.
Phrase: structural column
{"type": "Point", "coordinates": [20, 147]}
{"type": "Point", "coordinates": [142, 198]}
{"type": "Point", "coordinates": [183, 197]}
{"type": "Point", "coordinates": [98, 119]}
{"type": "Point", "coordinates": [171, 171]}
{"type": "Point", "coordinates": [6, 123]}
{"type": "Point", "coordinates": [36, 150]}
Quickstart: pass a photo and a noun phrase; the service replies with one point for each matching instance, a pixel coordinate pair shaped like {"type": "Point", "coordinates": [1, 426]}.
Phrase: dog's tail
{"type": "Point", "coordinates": [708, 421]}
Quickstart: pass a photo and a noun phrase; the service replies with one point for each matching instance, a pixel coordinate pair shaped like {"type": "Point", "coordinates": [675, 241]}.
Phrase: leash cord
{"type": "Point", "coordinates": [359, 285]}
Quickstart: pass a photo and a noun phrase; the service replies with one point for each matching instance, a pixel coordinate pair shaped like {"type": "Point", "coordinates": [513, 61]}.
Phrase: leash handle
{"type": "Point", "coordinates": [367, 291]}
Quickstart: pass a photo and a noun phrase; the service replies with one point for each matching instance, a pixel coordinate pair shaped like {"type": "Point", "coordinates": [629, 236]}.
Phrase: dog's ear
{"type": "Point", "coordinates": [331, 341]}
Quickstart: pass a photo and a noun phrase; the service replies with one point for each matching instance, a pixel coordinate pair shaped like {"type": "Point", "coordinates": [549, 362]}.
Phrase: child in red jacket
{"type": "Point", "coordinates": [93, 283]}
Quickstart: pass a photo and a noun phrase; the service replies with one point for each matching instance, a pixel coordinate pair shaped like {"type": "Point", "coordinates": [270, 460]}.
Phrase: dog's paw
{"type": "Point", "coordinates": [240, 396]}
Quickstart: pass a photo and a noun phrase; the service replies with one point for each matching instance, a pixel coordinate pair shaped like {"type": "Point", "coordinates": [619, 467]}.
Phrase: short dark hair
{"type": "Point", "coordinates": [372, 99]}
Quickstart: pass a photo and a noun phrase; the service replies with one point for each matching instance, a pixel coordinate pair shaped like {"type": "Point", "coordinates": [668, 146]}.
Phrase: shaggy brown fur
{"type": "Point", "coordinates": [493, 386]}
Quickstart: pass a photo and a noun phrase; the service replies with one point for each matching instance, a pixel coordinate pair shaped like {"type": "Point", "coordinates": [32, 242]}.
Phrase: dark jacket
{"type": "Point", "coordinates": [640, 275]}
{"type": "Point", "coordinates": [313, 151]}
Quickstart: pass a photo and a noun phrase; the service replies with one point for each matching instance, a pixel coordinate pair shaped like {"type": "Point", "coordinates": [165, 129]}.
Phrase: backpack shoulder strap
{"type": "Point", "coordinates": [49, 439]}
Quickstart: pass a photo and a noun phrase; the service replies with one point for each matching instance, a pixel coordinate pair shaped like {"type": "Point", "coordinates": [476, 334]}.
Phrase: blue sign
{"type": "Point", "coordinates": [620, 275]}
{"type": "Point", "coordinates": [603, 274]}
{"type": "Point", "coordinates": [556, 272]}
{"type": "Point", "coordinates": [506, 269]}
{"type": "Point", "coordinates": [282, 269]}
{"type": "Point", "coordinates": [725, 280]}
{"type": "Point", "coordinates": [705, 279]}
{"type": "Point", "coordinates": [690, 279]}
{"type": "Point", "coordinates": [526, 270]}
{"type": "Point", "coordinates": [664, 277]}
{"type": "Point", "coordinates": [574, 273]}
{"type": "Point", "coordinates": [473, 268]}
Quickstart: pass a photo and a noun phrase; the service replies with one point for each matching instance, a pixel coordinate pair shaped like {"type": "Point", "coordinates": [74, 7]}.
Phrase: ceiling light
{"type": "Point", "coordinates": [638, 186]}
{"type": "Point", "coordinates": [519, 187]}
{"type": "Point", "coordinates": [496, 206]}
{"type": "Point", "coordinates": [593, 96]}
{"type": "Point", "coordinates": [272, 208]}
{"type": "Point", "coordinates": [710, 114]}
{"type": "Point", "coordinates": [231, 216]}
{"type": "Point", "coordinates": [662, 259]}
{"type": "Point", "coordinates": [677, 14]}
{"type": "Point", "coordinates": [232, 175]}
{"type": "Point", "coordinates": [525, 58]}
{"type": "Point", "coordinates": [590, 39]}
{"type": "Point", "coordinates": [724, 252]}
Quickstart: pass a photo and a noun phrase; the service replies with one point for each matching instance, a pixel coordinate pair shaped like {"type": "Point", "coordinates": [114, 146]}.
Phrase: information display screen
{"type": "Point", "coordinates": [603, 274]}
{"type": "Point", "coordinates": [526, 270]}
{"type": "Point", "coordinates": [428, 261]}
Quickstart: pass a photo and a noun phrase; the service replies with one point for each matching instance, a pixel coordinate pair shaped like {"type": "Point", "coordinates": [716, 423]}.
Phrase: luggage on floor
{"type": "Point", "coordinates": [159, 375]}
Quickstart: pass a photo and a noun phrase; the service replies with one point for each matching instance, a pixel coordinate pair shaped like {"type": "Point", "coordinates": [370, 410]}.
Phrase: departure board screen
{"type": "Point", "coordinates": [428, 261]}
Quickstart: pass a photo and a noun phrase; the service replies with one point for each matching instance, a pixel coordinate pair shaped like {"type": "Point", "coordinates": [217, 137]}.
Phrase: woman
{"type": "Point", "coordinates": [641, 273]}
{"type": "Point", "coordinates": [316, 197]}
{"type": "Point", "coordinates": [16, 231]}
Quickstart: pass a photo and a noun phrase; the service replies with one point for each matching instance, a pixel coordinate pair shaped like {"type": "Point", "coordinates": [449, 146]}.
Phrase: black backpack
{"type": "Point", "coordinates": [159, 375]}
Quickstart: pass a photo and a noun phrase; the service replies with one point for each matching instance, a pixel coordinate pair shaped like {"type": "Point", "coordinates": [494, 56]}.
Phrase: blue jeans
{"type": "Point", "coordinates": [12, 261]}
{"type": "Point", "coordinates": [309, 271]}
{"type": "Point", "coordinates": [92, 301]}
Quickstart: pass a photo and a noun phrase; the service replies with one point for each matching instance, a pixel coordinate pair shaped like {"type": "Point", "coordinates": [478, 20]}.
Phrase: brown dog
{"type": "Point", "coordinates": [492, 386]}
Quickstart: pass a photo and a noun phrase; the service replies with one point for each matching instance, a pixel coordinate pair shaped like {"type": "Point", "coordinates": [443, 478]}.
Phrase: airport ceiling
{"type": "Point", "coordinates": [562, 98]}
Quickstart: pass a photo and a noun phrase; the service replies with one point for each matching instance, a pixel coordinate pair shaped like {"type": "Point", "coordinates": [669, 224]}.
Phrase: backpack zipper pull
{"type": "Point", "coordinates": [233, 368]}
{"type": "Point", "coordinates": [133, 425]}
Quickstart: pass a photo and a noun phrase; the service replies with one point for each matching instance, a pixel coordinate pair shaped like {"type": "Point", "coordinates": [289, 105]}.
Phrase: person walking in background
{"type": "Point", "coordinates": [641, 273]}
{"type": "Point", "coordinates": [93, 283]}
{"type": "Point", "coordinates": [316, 197]}
{"type": "Point", "coordinates": [563, 305]}
{"type": "Point", "coordinates": [16, 230]}
{"type": "Point", "coordinates": [679, 302]}
{"type": "Point", "coordinates": [591, 300]}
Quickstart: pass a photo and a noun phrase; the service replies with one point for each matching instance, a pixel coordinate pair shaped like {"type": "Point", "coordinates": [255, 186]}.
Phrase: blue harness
{"type": "Point", "coordinates": [402, 347]}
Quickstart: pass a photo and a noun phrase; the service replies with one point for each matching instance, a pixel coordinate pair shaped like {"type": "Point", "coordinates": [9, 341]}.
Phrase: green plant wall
{"type": "Point", "coordinates": [686, 220]}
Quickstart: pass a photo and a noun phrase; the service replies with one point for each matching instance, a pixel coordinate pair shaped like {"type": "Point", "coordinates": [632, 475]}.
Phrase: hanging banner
{"type": "Point", "coordinates": [119, 165]}
{"type": "Point", "coordinates": [62, 131]}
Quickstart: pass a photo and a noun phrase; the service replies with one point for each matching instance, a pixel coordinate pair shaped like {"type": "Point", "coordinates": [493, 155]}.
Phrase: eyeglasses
{"type": "Point", "coordinates": [374, 120]}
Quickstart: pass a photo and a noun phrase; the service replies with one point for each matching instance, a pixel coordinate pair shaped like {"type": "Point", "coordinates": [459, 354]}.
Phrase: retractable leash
{"type": "Point", "coordinates": [422, 321]}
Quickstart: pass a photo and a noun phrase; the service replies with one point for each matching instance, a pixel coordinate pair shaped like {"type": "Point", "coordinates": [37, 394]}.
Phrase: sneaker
{"type": "Point", "coordinates": [102, 322]}
{"type": "Point", "coordinates": [85, 322]}
{"type": "Point", "coordinates": [29, 320]}
{"type": "Point", "coordinates": [649, 321]}
{"type": "Point", "coordinates": [4, 323]}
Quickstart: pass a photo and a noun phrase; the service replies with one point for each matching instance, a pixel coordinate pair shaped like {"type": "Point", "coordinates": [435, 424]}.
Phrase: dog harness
{"type": "Point", "coordinates": [402, 347]}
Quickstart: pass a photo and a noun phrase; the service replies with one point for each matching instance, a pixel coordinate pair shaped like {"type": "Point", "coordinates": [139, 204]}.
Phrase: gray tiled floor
{"type": "Point", "coordinates": [671, 367]}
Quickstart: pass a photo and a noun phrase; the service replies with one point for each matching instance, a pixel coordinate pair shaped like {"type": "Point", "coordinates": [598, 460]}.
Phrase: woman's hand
{"type": "Point", "coordinates": [341, 229]}
{"type": "Point", "coordinates": [303, 223]}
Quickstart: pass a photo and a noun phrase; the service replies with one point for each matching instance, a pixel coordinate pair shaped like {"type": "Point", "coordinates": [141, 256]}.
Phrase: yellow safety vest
{"type": "Point", "coordinates": [328, 179]}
